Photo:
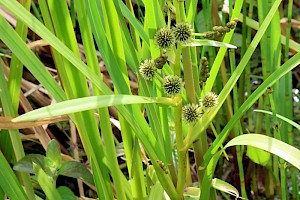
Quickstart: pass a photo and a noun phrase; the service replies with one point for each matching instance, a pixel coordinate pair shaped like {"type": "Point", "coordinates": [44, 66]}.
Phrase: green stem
{"type": "Point", "coordinates": [238, 128]}
{"type": "Point", "coordinates": [188, 75]}
{"type": "Point", "coordinates": [180, 150]}
{"type": "Point", "coordinates": [14, 86]}
{"type": "Point", "coordinates": [134, 33]}
{"type": "Point", "coordinates": [282, 164]}
{"type": "Point", "coordinates": [115, 40]}
{"type": "Point", "coordinates": [216, 135]}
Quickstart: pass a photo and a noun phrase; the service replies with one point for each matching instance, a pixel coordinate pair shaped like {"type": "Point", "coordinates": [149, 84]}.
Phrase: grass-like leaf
{"type": "Point", "coordinates": [225, 187]}
{"type": "Point", "coordinates": [9, 182]}
{"type": "Point", "coordinates": [297, 126]}
{"type": "Point", "coordinates": [205, 42]}
{"type": "Point", "coordinates": [272, 145]}
{"type": "Point", "coordinates": [46, 184]}
{"type": "Point", "coordinates": [87, 103]}
{"type": "Point", "coordinates": [135, 23]}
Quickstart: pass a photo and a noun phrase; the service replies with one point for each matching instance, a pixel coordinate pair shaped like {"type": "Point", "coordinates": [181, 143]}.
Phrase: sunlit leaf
{"type": "Point", "coordinates": [272, 145]}
{"type": "Point", "coordinates": [258, 156]}
{"type": "Point", "coordinates": [53, 155]}
{"type": "Point", "coordinates": [297, 126]}
{"type": "Point", "coordinates": [87, 103]}
{"type": "Point", "coordinates": [224, 187]}
{"type": "Point", "coordinates": [205, 42]}
{"type": "Point", "coordinates": [46, 184]}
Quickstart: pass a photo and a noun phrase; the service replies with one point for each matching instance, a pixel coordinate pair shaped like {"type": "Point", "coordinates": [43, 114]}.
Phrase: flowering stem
{"type": "Point", "coordinates": [180, 150]}
{"type": "Point", "coordinates": [199, 34]}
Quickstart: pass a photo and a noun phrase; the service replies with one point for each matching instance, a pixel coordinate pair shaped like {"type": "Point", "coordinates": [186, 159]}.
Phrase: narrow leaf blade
{"type": "Point", "coordinates": [272, 145]}
{"type": "Point", "coordinates": [205, 42]}
{"type": "Point", "coordinates": [46, 184]}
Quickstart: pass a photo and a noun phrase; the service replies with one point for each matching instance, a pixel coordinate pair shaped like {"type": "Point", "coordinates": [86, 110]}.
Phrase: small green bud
{"type": "Point", "coordinates": [226, 29]}
{"type": "Point", "coordinates": [161, 60]}
{"type": "Point", "coordinates": [209, 34]}
{"type": "Point", "coordinates": [236, 20]}
{"type": "Point", "coordinates": [203, 59]}
{"type": "Point", "coordinates": [231, 24]}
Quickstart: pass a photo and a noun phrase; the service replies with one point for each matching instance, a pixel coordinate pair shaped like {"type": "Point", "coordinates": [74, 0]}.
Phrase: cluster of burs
{"type": "Point", "coordinates": [182, 34]}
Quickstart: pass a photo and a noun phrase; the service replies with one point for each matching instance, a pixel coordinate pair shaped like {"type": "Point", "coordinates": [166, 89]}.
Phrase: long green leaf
{"type": "Point", "coordinates": [9, 182]}
{"type": "Point", "coordinates": [14, 136]}
{"type": "Point", "coordinates": [272, 145]}
{"type": "Point", "coordinates": [46, 184]}
{"type": "Point", "coordinates": [142, 130]}
{"type": "Point", "coordinates": [225, 187]}
{"type": "Point", "coordinates": [86, 103]}
{"type": "Point", "coordinates": [284, 69]}
{"type": "Point", "coordinates": [208, 117]}
{"type": "Point", "coordinates": [220, 56]}
{"type": "Point", "coordinates": [297, 126]}
{"type": "Point", "coordinates": [15, 43]}
{"type": "Point", "coordinates": [135, 23]}
{"type": "Point", "coordinates": [205, 42]}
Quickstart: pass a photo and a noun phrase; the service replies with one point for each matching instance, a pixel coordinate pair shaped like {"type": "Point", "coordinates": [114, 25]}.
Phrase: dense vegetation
{"type": "Point", "coordinates": [149, 99]}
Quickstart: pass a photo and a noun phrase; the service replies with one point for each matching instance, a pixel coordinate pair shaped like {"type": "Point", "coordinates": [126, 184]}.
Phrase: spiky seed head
{"type": "Point", "coordinates": [210, 100]}
{"type": "Point", "coordinates": [172, 85]}
{"type": "Point", "coordinates": [191, 113]}
{"type": "Point", "coordinates": [147, 69]}
{"type": "Point", "coordinates": [183, 32]}
{"type": "Point", "coordinates": [164, 38]}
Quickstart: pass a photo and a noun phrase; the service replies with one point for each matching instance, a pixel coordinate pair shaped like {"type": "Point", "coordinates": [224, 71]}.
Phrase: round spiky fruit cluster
{"type": "Point", "coordinates": [183, 32]}
{"type": "Point", "coordinates": [164, 38]}
{"type": "Point", "coordinates": [172, 85]}
{"type": "Point", "coordinates": [147, 69]}
{"type": "Point", "coordinates": [210, 100]}
{"type": "Point", "coordinates": [191, 113]}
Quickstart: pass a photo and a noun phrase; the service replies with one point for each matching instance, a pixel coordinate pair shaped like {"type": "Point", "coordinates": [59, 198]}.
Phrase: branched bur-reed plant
{"type": "Point", "coordinates": [183, 90]}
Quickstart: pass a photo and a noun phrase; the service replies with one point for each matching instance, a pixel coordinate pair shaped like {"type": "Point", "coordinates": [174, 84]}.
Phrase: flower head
{"type": "Point", "coordinates": [164, 38]}
{"type": "Point", "coordinates": [183, 32]}
{"type": "Point", "coordinates": [191, 113]}
{"type": "Point", "coordinates": [210, 100]}
{"type": "Point", "coordinates": [172, 85]}
{"type": "Point", "coordinates": [147, 69]}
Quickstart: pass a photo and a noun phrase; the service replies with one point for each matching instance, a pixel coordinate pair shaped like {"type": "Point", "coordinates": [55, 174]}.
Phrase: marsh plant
{"type": "Point", "coordinates": [171, 111]}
